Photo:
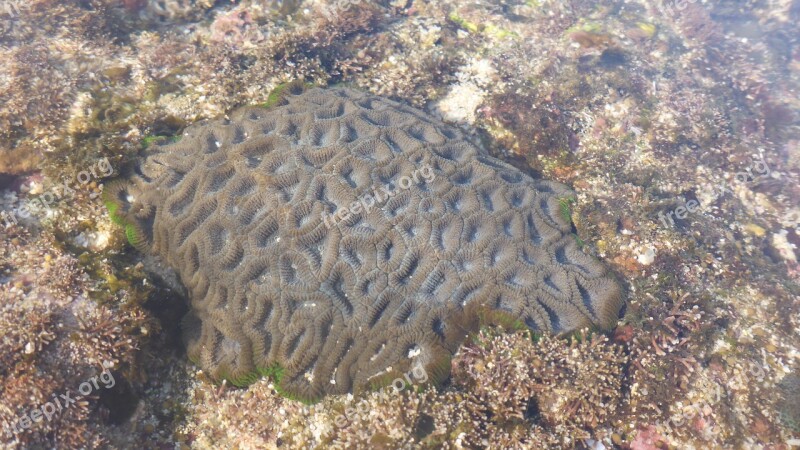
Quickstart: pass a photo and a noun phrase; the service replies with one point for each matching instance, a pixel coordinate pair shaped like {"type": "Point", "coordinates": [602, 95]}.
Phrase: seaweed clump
{"type": "Point", "coordinates": [60, 326]}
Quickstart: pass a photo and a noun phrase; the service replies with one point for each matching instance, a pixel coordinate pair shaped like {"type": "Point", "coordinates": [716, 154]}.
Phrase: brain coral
{"type": "Point", "coordinates": [244, 210]}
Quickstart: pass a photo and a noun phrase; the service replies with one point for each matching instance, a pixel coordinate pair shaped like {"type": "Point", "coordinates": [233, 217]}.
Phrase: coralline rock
{"type": "Point", "coordinates": [336, 239]}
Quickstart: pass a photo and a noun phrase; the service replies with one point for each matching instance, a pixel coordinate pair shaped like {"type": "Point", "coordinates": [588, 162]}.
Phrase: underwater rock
{"type": "Point", "coordinates": [334, 239]}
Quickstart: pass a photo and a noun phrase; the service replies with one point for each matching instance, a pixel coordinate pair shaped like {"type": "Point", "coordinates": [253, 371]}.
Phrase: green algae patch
{"type": "Point", "coordinates": [488, 317]}
{"type": "Point", "coordinates": [476, 28]}
{"type": "Point", "coordinates": [498, 33]}
{"type": "Point", "coordinates": [277, 96]}
{"type": "Point", "coordinates": [133, 237]}
{"type": "Point", "coordinates": [112, 209]}
{"type": "Point", "coordinates": [463, 23]}
{"type": "Point", "coordinates": [113, 206]}
{"type": "Point", "coordinates": [581, 336]}
{"type": "Point", "coordinates": [159, 140]}
{"type": "Point", "coordinates": [135, 226]}
{"type": "Point", "coordinates": [648, 29]}
{"type": "Point", "coordinates": [274, 372]}
{"type": "Point", "coordinates": [565, 208]}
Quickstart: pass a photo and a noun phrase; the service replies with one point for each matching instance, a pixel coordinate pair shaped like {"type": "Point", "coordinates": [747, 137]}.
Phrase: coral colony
{"type": "Point", "coordinates": [238, 210]}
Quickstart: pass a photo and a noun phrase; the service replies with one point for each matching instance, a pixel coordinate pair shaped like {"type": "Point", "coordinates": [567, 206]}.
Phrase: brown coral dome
{"type": "Point", "coordinates": [339, 238]}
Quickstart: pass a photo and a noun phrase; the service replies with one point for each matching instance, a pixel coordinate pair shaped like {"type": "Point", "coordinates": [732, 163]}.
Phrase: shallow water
{"type": "Point", "coordinates": [675, 123]}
